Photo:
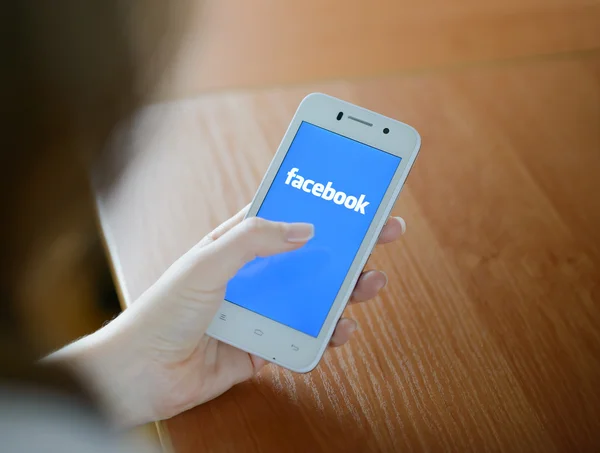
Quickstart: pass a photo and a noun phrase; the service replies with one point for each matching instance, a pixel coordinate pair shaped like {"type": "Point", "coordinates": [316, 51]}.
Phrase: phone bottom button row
{"type": "Point", "coordinates": [260, 333]}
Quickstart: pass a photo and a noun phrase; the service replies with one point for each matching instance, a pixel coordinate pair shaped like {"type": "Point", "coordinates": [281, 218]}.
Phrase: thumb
{"type": "Point", "coordinates": [256, 237]}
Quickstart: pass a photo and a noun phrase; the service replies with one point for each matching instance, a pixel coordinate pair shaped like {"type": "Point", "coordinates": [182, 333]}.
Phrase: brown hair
{"type": "Point", "coordinates": [71, 71]}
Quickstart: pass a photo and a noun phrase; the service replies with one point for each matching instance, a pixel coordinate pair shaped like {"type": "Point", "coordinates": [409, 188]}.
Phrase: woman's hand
{"type": "Point", "coordinates": [155, 361]}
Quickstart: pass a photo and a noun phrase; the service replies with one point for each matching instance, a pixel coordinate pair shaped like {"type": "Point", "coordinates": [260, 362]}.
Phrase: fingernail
{"type": "Point", "coordinates": [299, 232]}
{"type": "Point", "coordinates": [384, 283]}
{"type": "Point", "coordinates": [402, 224]}
{"type": "Point", "coordinates": [354, 327]}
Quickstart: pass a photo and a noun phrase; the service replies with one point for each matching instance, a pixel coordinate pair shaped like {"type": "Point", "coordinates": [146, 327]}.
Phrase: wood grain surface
{"type": "Point", "coordinates": [240, 43]}
{"type": "Point", "coordinates": [487, 337]}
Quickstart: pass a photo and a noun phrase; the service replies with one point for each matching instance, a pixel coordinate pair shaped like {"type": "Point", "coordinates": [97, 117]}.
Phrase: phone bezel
{"type": "Point", "coordinates": [276, 342]}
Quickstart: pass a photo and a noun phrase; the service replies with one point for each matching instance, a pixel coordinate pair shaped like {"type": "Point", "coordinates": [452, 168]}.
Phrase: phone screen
{"type": "Point", "coordinates": [336, 184]}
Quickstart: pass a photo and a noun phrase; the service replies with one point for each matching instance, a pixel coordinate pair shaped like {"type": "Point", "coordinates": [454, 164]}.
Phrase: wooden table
{"type": "Point", "coordinates": [488, 335]}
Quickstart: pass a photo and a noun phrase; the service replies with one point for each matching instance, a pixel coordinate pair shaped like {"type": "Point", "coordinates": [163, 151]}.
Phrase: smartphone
{"type": "Point", "coordinates": [341, 168]}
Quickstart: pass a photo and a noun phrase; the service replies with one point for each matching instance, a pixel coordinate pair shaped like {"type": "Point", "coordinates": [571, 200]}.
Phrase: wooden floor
{"type": "Point", "coordinates": [488, 336]}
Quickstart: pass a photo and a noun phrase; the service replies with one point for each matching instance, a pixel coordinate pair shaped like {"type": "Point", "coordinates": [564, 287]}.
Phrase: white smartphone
{"type": "Point", "coordinates": [341, 168]}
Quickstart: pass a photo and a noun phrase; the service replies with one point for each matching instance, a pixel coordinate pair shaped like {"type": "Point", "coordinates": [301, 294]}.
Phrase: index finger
{"type": "Point", "coordinates": [393, 229]}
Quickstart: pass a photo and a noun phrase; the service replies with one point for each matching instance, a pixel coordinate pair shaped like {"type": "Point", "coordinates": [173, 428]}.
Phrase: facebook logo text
{"type": "Point", "coordinates": [326, 192]}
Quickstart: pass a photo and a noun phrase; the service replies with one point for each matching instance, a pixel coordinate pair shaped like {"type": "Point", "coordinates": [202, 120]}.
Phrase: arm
{"type": "Point", "coordinates": [111, 369]}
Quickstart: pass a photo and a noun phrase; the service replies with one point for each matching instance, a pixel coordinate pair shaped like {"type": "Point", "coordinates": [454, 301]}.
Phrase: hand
{"type": "Point", "coordinates": [155, 360]}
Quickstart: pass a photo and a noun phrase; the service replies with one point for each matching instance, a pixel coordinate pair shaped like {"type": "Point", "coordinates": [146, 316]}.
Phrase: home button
{"type": "Point", "coordinates": [258, 332]}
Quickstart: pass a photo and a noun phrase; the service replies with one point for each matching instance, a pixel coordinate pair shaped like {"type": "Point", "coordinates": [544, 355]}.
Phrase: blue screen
{"type": "Point", "coordinates": [336, 184]}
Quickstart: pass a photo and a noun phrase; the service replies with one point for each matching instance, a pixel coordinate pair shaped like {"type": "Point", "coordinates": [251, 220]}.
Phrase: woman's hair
{"type": "Point", "coordinates": [71, 70]}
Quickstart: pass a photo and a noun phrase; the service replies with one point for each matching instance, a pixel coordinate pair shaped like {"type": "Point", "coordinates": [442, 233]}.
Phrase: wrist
{"type": "Point", "coordinates": [111, 363]}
